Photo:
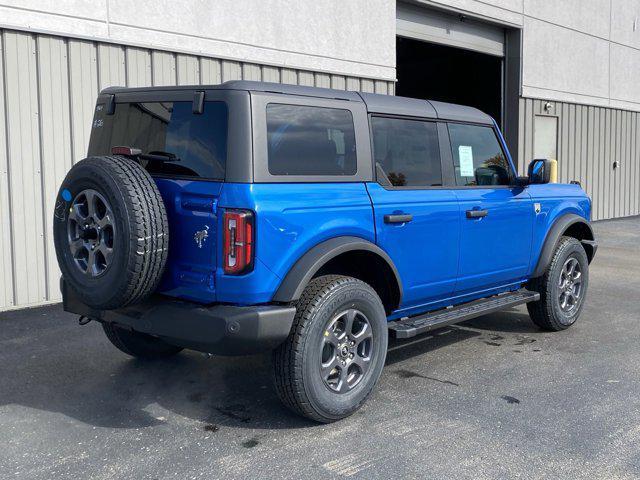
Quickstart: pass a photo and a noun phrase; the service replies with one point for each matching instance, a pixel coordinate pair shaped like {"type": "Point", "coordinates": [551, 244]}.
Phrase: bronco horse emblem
{"type": "Point", "coordinates": [201, 235]}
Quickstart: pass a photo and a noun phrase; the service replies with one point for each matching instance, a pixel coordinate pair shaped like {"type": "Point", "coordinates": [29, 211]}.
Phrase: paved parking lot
{"type": "Point", "coordinates": [492, 398]}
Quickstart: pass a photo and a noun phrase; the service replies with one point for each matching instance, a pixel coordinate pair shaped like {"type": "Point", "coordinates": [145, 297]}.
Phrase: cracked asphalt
{"type": "Point", "coordinates": [492, 398]}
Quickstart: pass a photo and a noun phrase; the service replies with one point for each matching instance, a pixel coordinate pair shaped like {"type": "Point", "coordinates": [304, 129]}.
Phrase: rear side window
{"type": "Point", "coordinates": [478, 157]}
{"type": "Point", "coordinates": [195, 143]}
{"type": "Point", "coordinates": [407, 151]}
{"type": "Point", "coordinates": [305, 140]}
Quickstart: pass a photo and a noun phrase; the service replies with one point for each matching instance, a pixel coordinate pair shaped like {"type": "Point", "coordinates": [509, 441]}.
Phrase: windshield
{"type": "Point", "coordinates": [179, 142]}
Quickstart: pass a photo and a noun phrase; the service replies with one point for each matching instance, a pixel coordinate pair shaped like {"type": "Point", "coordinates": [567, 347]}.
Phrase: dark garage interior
{"type": "Point", "coordinates": [438, 72]}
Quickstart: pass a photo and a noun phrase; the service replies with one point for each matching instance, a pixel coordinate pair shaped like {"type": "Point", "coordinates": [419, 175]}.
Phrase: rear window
{"type": "Point", "coordinates": [196, 143]}
{"type": "Point", "coordinates": [305, 140]}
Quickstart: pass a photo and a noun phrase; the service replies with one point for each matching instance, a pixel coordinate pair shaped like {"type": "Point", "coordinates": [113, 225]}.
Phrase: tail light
{"type": "Point", "coordinates": [238, 241]}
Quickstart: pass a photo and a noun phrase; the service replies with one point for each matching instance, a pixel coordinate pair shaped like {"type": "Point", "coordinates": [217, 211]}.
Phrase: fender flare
{"type": "Point", "coordinates": [559, 227]}
{"type": "Point", "coordinates": [306, 267]}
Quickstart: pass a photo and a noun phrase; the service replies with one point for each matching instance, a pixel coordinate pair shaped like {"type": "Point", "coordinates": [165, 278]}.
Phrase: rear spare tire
{"type": "Point", "coordinates": [110, 232]}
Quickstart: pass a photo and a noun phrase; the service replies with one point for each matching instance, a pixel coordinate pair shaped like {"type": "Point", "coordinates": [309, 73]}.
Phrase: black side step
{"type": "Point", "coordinates": [411, 326]}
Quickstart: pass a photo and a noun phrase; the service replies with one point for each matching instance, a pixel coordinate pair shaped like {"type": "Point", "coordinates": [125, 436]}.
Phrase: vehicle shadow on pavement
{"type": "Point", "coordinates": [51, 364]}
{"type": "Point", "coordinates": [514, 320]}
{"type": "Point", "coordinates": [78, 373]}
{"type": "Point", "coordinates": [509, 322]}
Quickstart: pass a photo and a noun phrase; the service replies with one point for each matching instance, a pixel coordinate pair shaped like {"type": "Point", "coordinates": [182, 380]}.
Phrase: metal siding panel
{"type": "Point", "coordinates": [271, 74]}
{"type": "Point", "coordinates": [367, 85]}
{"type": "Point", "coordinates": [381, 87]}
{"type": "Point", "coordinates": [231, 71]}
{"type": "Point", "coordinates": [6, 251]}
{"type": "Point", "coordinates": [584, 149]}
{"type": "Point", "coordinates": [595, 156]}
{"type": "Point", "coordinates": [602, 160]}
{"type": "Point", "coordinates": [163, 68]}
{"type": "Point", "coordinates": [629, 162]}
{"type": "Point", "coordinates": [605, 164]}
{"type": "Point", "coordinates": [188, 70]}
{"type": "Point", "coordinates": [608, 194]}
{"type": "Point", "coordinates": [392, 88]}
{"type": "Point", "coordinates": [591, 149]}
{"type": "Point", "coordinates": [353, 83]}
{"type": "Point", "coordinates": [338, 82]}
{"type": "Point", "coordinates": [138, 62]}
{"type": "Point", "coordinates": [289, 76]}
{"type": "Point", "coordinates": [637, 164]}
{"type": "Point", "coordinates": [251, 71]}
{"type": "Point", "coordinates": [306, 78]}
{"type": "Point", "coordinates": [624, 177]}
{"type": "Point", "coordinates": [210, 71]}
{"type": "Point", "coordinates": [521, 135]}
{"type": "Point", "coordinates": [322, 80]}
{"type": "Point", "coordinates": [53, 83]}
{"type": "Point", "coordinates": [25, 177]}
{"type": "Point", "coordinates": [111, 66]}
{"type": "Point", "coordinates": [83, 91]}
{"type": "Point", "coordinates": [573, 144]}
{"type": "Point", "coordinates": [564, 137]}
{"type": "Point", "coordinates": [528, 143]}
{"type": "Point", "coordinates": [616, 172]}
{"type": "Point", "coordinates": [635, 184]}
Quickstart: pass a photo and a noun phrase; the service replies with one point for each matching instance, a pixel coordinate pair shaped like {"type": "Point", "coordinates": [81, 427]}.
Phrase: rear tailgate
{"type": "Point", "coordinates": [192, 210]}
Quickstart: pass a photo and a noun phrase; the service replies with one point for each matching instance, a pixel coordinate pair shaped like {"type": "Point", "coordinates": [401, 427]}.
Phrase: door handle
{"type": "Point", "coordinates": [471, 214]}
{"type": "Point", "coordinates": [398, 218]}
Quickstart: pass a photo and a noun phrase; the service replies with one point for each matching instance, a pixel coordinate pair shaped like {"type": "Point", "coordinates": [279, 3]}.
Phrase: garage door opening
{"type": "Point", "coordinates": [449, 74]}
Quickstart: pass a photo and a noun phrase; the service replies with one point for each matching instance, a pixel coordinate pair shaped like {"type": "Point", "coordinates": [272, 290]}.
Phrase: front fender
{"type": "Point", "coordinates": [559, 227]}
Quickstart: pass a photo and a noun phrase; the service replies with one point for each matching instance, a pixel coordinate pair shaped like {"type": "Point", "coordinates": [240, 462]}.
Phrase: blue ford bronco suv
{"type": "Point", "coordinates": [248, 217]}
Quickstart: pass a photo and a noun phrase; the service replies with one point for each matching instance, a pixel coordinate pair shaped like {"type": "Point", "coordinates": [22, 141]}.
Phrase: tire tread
{"type": "Point", "coordinates": [287, 358]}
{"type": "Point", "coordinates": [541, 312]}
{"type": "Point", "coordinates": [148, 227]}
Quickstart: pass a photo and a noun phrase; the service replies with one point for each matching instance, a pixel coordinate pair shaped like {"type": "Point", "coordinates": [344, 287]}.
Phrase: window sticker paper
{"type": "Point", "coordinates": [465, 154]}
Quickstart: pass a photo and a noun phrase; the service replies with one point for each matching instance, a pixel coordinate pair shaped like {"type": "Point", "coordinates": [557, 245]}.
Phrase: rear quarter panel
{"type": "Point", "coordinates": [554, 200]}
{"type": "Point", "coordinates": [291, 218]}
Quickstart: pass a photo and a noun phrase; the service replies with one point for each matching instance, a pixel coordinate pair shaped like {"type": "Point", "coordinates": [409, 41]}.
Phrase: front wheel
{"type": "Point", "coordinates": [562, 288]}
{"type": "Point", "coordinates": [336, 350]}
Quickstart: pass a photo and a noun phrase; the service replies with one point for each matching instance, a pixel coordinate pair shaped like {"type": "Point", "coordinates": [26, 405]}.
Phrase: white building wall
{"type": "Point", "coordinates": [355, 37]}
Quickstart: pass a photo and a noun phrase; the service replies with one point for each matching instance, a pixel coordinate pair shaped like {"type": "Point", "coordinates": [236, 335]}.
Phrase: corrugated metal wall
{"type": "Point", "coordinates": [48, 88]}
{"type": "Point", "coordinates": [590, 139]}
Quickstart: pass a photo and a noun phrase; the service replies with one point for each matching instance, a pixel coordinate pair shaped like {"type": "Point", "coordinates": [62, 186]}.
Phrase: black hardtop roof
{"type": "Point", "coordinates": [375, 103]}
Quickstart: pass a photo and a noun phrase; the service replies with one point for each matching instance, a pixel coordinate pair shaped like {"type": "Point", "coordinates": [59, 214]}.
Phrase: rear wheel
{"type": "Point", "coordinates": [336, 350]}
{"type": "Point", "coordinates": [562, 288]}
{"type": "Point", "coordinates": [110, 231]}
{"type": "Point", "coordinates": [138, 344]}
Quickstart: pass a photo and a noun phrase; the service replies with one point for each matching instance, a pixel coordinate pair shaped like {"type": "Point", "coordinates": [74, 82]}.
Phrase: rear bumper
{"type": "Point", "coordinates": [218, 329]}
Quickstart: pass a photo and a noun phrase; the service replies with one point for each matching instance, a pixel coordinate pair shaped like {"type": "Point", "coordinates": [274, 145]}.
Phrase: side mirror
{"type": "Point", "coordinates": [540, 171]}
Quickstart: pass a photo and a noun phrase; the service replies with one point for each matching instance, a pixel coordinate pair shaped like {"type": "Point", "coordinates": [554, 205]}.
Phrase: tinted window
{"type": "Point", "coordinates": [478, 157]}
{"type": "Point", "coordinates": [407, 151]}
{"type": "Point", "coordinates": [198, 142]}
{"type": "Point", "coordinates": [310, 140]}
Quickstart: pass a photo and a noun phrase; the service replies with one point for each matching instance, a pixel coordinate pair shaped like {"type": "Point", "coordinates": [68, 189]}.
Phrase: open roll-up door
{"type": "Point", "coordinates": [420, 23]}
